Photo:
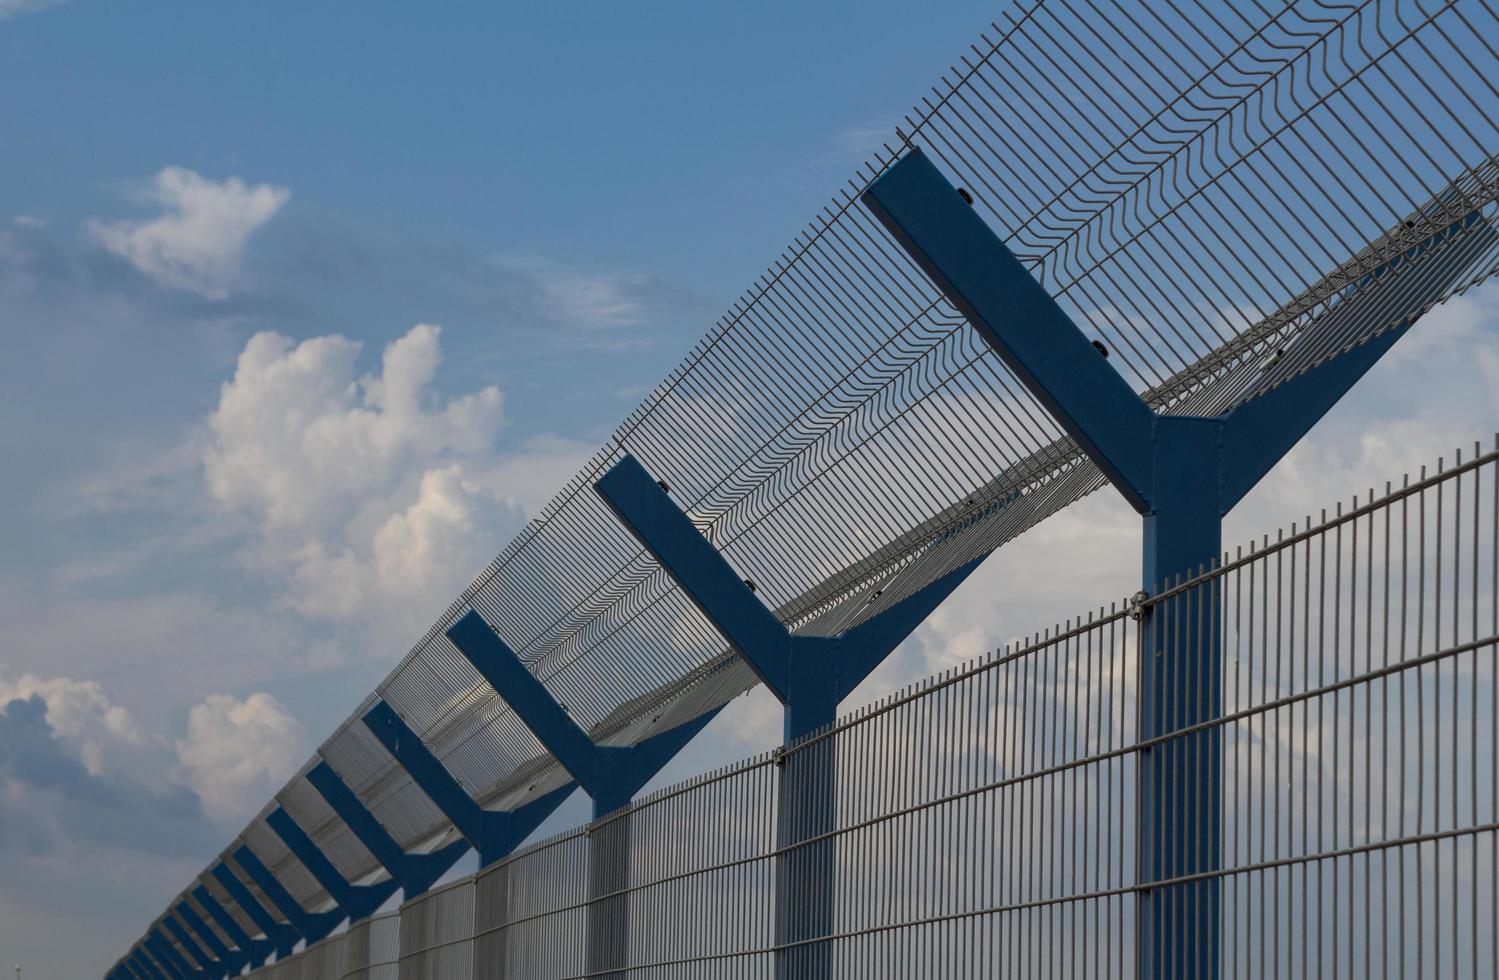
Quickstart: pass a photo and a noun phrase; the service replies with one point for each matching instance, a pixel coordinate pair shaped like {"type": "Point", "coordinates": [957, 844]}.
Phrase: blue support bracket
{"type": "Point", "coordinates": [207, 966]}
{"type": "Point", "coordinates": [357, 901]}
{"type": "Point", "coordinates": [281, 936]}
{"type": "Point", "coordinates": [809, 675]}
{"type": "Point", "coordinates": [611, 775]}
{"type": "Point", "coordinates": [231, 960]}
{"type": "Point", "coordinates": [167, 957]}
{"type": "Point", "coordinates": [1181, 473]}
{"type": "Point", "coordinates": [416, 873]}
{"type": "Point", "coordinates": [1018, 318]}
{"type": "Point", "coordinates": [311, 926]}
{"type": "Point", "coordinates": [702, 573]}
{"type": "Point", "coordinates": [254, 951]}
{"type": "Point", "coordinates": [493, 833]}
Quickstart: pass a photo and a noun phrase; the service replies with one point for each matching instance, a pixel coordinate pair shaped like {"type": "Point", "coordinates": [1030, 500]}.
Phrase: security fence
{"type": "Point", "coordinates": [985, 821]}
{"type": "Point", "coordinates": [1214, 218]}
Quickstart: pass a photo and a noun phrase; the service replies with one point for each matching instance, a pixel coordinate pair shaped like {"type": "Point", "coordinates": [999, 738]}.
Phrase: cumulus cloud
{"type": "Point", "coordinates": [237, 753]}
{"type": "Point", "coordinates": [198, 241]}
{"type": "Point", "coordinates": [79, 713]}
{"type": "Point", "coordinates": [370, 494]}
{"type": "Point", "coordinates": [64, 785]}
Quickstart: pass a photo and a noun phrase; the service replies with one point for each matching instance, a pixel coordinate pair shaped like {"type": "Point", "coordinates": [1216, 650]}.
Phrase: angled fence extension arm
{"type": "Point", "coordinates": [494, 834]}
{"type": "Point", "coordinates": [167, 957]}
{"type": "Point", "coordinates": [230, 959]}
{"type": "Point", "coordinates": [311, 926]}
{"type": "Point", "coordinates": [610, 775]}
{"type": "Point", "coordinates": [281, 936]}
{"type": "Point", "coordinates": [251, 951]}
{"type": "Point", "coordinates": [357, 901]}
{"type": "Point", "coordinates": [414, 872]}
{"type": "Point", "coordinates": [207, 965]}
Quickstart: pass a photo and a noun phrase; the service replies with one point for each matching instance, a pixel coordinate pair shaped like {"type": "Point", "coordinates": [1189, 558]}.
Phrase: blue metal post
{"type": "Point", "coordinates": [356, 901]}
{"type": "Point", "coordinates": [611, 775]}
{"type": "Point", "coordinates": [1182, 474]}
{"type": "Point", "coordinates": [312, 926]}
{"type": "Point", "coordinates": [494, 834]}
{"type": "Point", "coordinates": [281, 936]}
{"type": "Point", "coordinates": [415, 872]}
{"type": "Point", "coordinates": [810, 675]}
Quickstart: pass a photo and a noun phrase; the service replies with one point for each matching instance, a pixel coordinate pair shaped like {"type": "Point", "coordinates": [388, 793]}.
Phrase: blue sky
{"type": "Point", "coordinates": [305, 307]}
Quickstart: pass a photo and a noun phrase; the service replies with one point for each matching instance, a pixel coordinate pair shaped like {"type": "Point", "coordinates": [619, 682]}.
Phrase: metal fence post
{"type": "Point", "coordinates": [611, 775]}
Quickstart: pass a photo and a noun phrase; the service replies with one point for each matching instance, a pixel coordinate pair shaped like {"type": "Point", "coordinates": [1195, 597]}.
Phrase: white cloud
{"type": "Point", "coordinates": [197, 243]}
{"type": "Point", "coordinates": [237, 753]}
{"type": "Point", "coordinates": [367, 491]}
{"type": "Point", "coordinates": [80, 714]}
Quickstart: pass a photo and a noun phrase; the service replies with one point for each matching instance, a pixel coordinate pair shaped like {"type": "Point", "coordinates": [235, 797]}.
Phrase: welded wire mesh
{"type": "Point", "coordinates": [902, 397]}
{"type": "Point", "coordinates": [324, 958]}
{"type": "Point", "coordinates": [983, 822]}
{"type": "Point", "coordinates": [372, 949]}
{"type": "Point", "coordinates": [530, 910]}
{"type": "Point", "coordinates": [1224, 195]}
{"type": "Point", "coordinates": [437, 934]}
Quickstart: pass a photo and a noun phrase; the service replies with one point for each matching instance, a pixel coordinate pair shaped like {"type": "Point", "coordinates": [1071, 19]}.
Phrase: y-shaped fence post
{"type": "Point", "coordinates": [356, 901]}
{"type": "Point", "coordinates": [610, 775]}
{"type": "Point", "coordinates": [253, 951]}
{"type": "Point", "coordinates": [279, 936]}
{"type": "Point", "coordinates": [231, 960]}
{"type": "Point", "coordinates": [166, 957]}
{"type": "Point", "coordinates": [809, 675]}
{"type": "Point", "coordinates": [1183, 474]}
{"type": "Point", "coordinates": [414, 872]}
{"type": "Point", "coordinates": [207, 965]}
{"type": "Point", "coordinates": [493, 833]}
{"type": "Point", "coordinates": [311, 926]}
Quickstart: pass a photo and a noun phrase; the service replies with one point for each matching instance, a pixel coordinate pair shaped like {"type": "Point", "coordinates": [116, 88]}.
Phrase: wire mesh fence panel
{"type": "Point", "coordinates": [531, 911]}
{"type": "Point", "coordinates": [1223, 195]}
{"type": "Point", "coordinates": [1358, 734]}
{"type": "Point", "coordinates": [989, 821]}
{"type": "Point", "coordinates": [437, 934]}
{"type": "Point", "coordinates": [372, 948]}
{"type": "Point", "coordinates": [324, 960]}
{"type": "Point", "coordinates": [984, 817]}
{"type": "Point", "coordinates": [697, 895]}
